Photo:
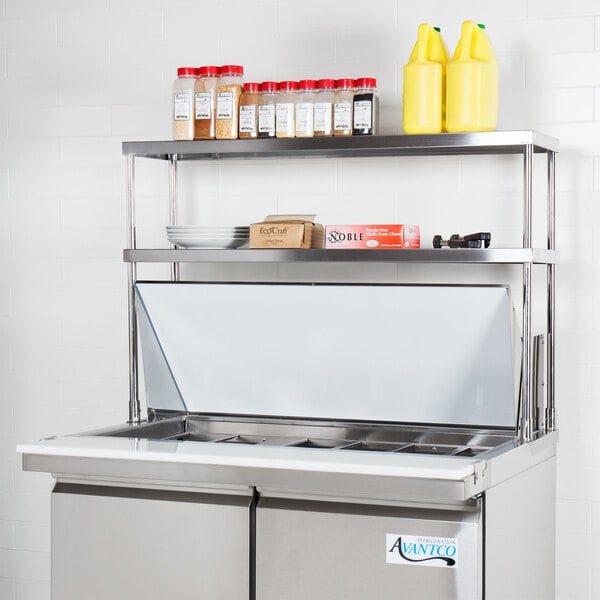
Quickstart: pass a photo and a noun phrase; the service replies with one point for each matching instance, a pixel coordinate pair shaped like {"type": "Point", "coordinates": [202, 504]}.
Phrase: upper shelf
{"type": "Point", "coordinates": [493, 142]}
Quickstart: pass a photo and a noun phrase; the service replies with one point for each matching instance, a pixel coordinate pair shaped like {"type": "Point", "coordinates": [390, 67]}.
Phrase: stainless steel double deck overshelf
{"type": "Point", "coordinates": [321, 440]}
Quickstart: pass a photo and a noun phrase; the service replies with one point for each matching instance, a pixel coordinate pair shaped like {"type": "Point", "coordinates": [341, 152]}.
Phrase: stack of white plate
{"type": "Point", "coordinates": [198, 236]}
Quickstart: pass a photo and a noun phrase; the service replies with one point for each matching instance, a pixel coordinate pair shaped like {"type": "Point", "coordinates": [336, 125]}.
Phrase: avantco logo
{"type": "Point", "coordinates": [421, 551]}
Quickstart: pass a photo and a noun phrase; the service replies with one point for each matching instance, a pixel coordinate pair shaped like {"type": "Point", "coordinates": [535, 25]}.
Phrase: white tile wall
{"type": "Point", "coordinates": [77, 77]}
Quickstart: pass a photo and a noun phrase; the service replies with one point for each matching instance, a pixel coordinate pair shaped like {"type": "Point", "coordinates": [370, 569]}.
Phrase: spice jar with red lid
{"type": "Point", "coordinates": [285, 109]}
{"type": "Point", "coordinates": [342, 106]}
{"type": "Point", "coordinates": [204, 100]}
{"type": "Point", "coordinates": [248, 123]}
{"type": "Point", "coordinates": [183, 103]}
{"type": "Point", "coordinates": [266, 109]}
{"type": "Point", "coordinates": [305, 108]}
{"type": "Point", "coordinates": [323, 111]}
{"type": "Point", "coordinates": [228, 101]}
{"type": "Point", "coordinates": [366, 107]}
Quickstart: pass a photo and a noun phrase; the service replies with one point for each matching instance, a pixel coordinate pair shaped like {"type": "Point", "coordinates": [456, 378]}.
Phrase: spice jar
{"type": "Point", "coordinates": [266, 109]}
{"type": "Point", "coordinates": [342, 106]}
{"type": "Point", "coordinates": [228, 102]}
{"type": "Point", "coordinates": [285, 109]}
{"type": "Point", "coordinates": [183, 104]}
{"type": "Point", "coordinates": [248, 110]}
{"type": "Point", "coordinates": [204, 100]}
{"type": "Point", "coordinates": [366, 107]}
{"type": "Point", "coordinates": [305, 107]}
{"type": "Point", "coordinates": [323, 112]}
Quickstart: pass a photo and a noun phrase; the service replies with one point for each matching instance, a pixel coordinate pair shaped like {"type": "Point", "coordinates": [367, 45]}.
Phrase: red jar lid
{"type": "Point", "coordinates": [187, 72]}
{"type": "Point", "coordinates": [324, 84]}
{"type": "Point", "coordinates": [345, 83]}
{"type": "Point", "coordinates": [269, 86]}
{"type": "Point", "coordinates": [251, 87]}
{"type": "Point", "coordinates": [227, 70]}
{"type": "Point", "coordinates": [208, 71]}
{"type": "Point", "coordinates": [366, 82]}
{"type": "Point", "coordinates": [288, 86]}
{"type": "Point", "coordinates": [308, 84]}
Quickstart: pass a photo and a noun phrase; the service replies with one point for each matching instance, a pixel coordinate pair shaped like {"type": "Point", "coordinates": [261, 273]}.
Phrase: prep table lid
{"type": "Point", "coordinates": [440, 355]}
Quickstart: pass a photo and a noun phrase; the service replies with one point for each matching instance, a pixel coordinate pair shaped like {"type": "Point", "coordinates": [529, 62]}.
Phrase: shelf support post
{"type": "Point", "coordinates": [526, 405]}
{"type": "Point", "coordinates": [173, 160]}
{"type": "Point", "coordinates": [551, 309]}
{"type": "Point", "coordinates": [134, 400]}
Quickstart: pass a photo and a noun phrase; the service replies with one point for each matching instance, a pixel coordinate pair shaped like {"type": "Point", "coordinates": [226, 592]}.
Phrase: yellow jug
{"type": "Point", "coordinates": [472, 98]}
{"type": "Point", "coordinates": [425, 83]}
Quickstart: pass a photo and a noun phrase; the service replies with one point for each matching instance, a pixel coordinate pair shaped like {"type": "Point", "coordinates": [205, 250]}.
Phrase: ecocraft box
{"type": "Point", "coordinates": [287, 231]}
{"type": "Point", "coordinates": [373, 236]}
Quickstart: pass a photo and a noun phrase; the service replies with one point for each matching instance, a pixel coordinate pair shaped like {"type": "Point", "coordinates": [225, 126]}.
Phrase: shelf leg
{"type": "Point", "coordinates": [551, 310]}
{"type": "Point", "coordinates": [526, 416]}
{"type": "Point", "coordinates": [134, 399]}
{"type": "Point", "coordinates": [173, 159]}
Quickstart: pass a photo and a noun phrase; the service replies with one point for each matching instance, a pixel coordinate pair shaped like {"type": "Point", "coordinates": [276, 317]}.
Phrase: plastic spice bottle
{"type": "Point", "coordinates": [323, 112]}
{"type": "Point", "coordinates": [366, 107]}
{"type": "Point", "coordinates": [266, 109]}
{"type": "Point", "coordinates": [342, 106]}
{"type": "Point", "coordinates": [183, 103]}
{"type": "Point", "coordinates": [305, 108]}
{"type": "Point", "coordinates": [249, 110]}
{"type": "Point", "coordinates": [228, 102]}
{"type": "Point", "coordinates": [285, 109]}
{"type": "Point", "coordinates": [204, 100]}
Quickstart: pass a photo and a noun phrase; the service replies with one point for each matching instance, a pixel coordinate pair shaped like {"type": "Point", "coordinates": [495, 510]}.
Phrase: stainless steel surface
{"type": "Point", "coordinates": [539, 383]}
{"type": "Point", "coordinates": [173, 193]}
{"type": "Point", "coordinates": [327, 550]}
{"type": "Point", "coordinates": [134, 400]}
{"type": "Point", "coordinates": [343, 437]}
{"type": "Point", "coordinates": [496, 142]}
{"type": "Point", "coordinates": [391, 353]}
{"type": "Point", "coordinates": [520, 536]}
{"type": "Point", "coordinates": [140, 544]}
{"type": "Point", "coordinates": [424, 255]}
{"type": "Point", "coordinates": [551, 292]}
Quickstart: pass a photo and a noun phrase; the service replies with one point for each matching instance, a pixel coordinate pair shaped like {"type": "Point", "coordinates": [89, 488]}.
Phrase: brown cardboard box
{"type": "Point", "coordinates": [287, 231]}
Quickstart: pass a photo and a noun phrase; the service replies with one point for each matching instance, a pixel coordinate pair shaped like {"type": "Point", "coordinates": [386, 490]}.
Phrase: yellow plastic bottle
{"type": "Point", "coordinates": [472, 98]}
{"type": "Point", "coordinates": [425, 83]}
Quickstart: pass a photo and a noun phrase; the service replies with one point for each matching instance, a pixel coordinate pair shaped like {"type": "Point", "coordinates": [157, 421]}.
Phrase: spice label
{"type": "Point", "coordinates": [304, 117]}
{"type": "Point", "coordinates": [182, 103]}
{"type": "Point", "coordinates": [285, 117]}
{"type": "Point", "coordinates": [203, 105]}
{"type": "Point", "coordinates": [266, 118]}
{"type": "Point", "coordinates": [342, 116]}
{"type": "Point", "coordinates": [322, 115]}
{"type": "Point", "coordinates": [225, 105]}
{"type": "Point", "coordinates": [248, 118]}
{"type": "Point", "coordinates": [421, 551]}
{"type": "Point", "coordinates": [363, 114]}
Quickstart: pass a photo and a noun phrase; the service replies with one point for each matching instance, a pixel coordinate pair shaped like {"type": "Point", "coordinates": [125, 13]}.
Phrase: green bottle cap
{"type": "Point", "coordinates": [481, 25]}
{"type": "Point", "coordinates": [438, 29]}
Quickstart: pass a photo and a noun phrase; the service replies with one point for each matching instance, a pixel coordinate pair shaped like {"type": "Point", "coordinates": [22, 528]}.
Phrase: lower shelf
{"type": "Point", "coordinates": [247, 255]}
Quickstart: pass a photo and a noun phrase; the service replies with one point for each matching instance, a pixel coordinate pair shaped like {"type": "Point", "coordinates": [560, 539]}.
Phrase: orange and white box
{"type": "Point", "coordinates": [393, 236]}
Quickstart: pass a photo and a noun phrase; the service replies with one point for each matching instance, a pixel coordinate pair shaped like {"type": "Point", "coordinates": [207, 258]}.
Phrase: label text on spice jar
{"type": "Point", "coordinates": [285, 117]}
{"type": "Point", "coordinates": [225, 105]}
{"type": "Point", "coordinates": [304, 117]}
{"type": "Point", "coordinates": [203, 105]}
{"type": "Point", "coordinates": [266, 118]}
{"type": "Point", "coordinates": [322, 116]}
{"type": "Point", "coordinates": [181, 106]}
{"type": "Point", "coordinates": [248, 118]}
{"type": "Point", "coordinates": [362, 114]}
{"type": "Point", "coordinates": [342, 116]}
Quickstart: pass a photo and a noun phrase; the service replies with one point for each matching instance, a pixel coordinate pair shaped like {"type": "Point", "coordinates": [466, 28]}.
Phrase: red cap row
{"type": "Point", "coordinates": [225, 70]}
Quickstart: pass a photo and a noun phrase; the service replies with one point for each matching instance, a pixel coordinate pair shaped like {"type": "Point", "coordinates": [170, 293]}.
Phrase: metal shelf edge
{"type": "Point", "coordinates": [441, 256]}
{"type": "Point", "coordinates": [493, 142]}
